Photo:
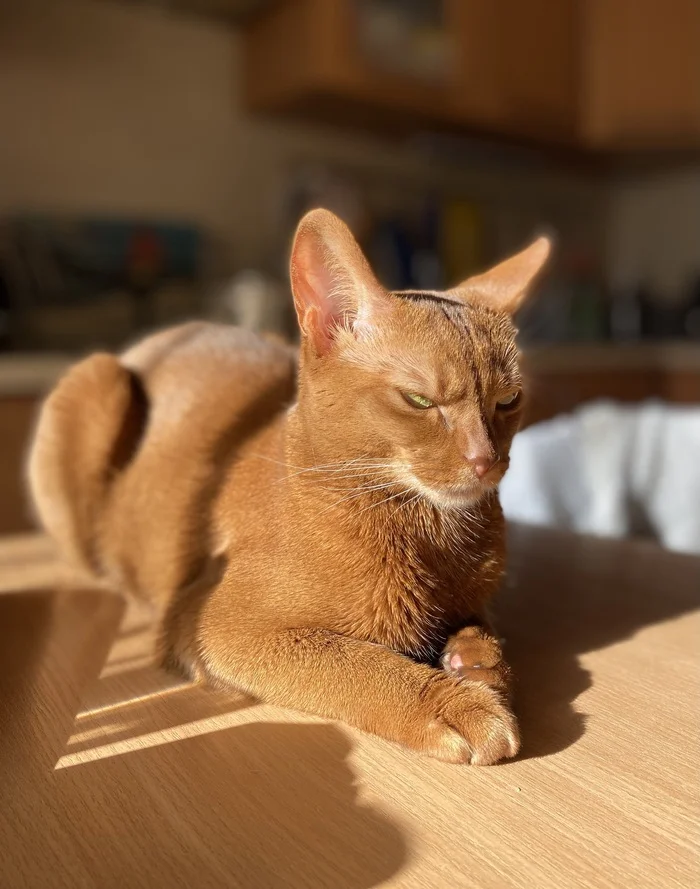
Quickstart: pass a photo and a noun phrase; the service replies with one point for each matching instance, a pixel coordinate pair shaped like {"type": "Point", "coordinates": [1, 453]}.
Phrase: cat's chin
{"type": "Point", "coordinates": [454, 496]}
{"type": "Point", "coordinates": [459, 498]}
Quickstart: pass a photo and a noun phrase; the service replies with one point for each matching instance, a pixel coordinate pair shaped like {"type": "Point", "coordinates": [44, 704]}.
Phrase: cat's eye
{"type": "Point", "coordinates": [419, 401]}
{"type": "Point", "coordinates": [508, 401]}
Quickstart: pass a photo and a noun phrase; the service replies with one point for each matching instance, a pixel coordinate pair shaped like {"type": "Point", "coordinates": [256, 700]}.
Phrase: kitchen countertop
{"type": "Point", "coordinates": [115, 774]}
{"type": "Point", "coordinates": [649, 356]}
{"type": "Point", "coordinates": [30, 374]}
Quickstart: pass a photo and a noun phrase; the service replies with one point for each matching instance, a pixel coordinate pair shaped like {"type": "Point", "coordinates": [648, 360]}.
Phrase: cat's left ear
{"type": "Point", "coordinates": [505, 286]}
{"type": "Point", "coordinates": [332, 283]}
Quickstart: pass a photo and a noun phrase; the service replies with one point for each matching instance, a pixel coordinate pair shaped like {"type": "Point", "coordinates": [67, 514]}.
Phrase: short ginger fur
{"type": "Point", "coordinates": [308, 533]}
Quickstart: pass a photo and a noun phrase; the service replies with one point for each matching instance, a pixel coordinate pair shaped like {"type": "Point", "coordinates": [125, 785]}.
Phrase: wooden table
{"type": "Point", "coordinates": [115, 775]}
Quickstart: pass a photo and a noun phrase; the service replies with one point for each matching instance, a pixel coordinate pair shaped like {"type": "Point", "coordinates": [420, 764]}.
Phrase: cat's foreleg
{"type": "Point", "coordinates": [366, 685]}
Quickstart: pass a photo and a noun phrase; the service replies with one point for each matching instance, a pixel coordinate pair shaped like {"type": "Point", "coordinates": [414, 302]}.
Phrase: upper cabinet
{"type": "Point", "coordinates": [640, 75]}
{"type": "Point", "coordinates": [347, 60]}
{"type": "Point", "coordinates": [456, 64]}
{"type": "Point", "coordinates": [516, 66]}
{"type": "Point", "coordinates": [597, 74]}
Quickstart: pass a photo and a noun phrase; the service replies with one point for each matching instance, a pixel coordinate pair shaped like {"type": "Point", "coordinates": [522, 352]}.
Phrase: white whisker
{"type": "Point", "coordinates": [385, 500]}
{"type": "Point", "coordinates": [338, 466]}
{"type": "Point", "coordinates": [371, 474]}
{"type": "Point", "coordinates": [407, 503]}
{"type": "Point", "coordinates": [355, 493]}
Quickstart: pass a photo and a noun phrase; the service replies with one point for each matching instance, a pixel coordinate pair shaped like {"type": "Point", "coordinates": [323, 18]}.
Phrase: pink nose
{"type": "Point", "coordinates": [481, 463]}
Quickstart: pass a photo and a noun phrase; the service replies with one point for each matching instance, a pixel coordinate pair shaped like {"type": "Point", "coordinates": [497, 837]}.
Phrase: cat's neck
{"type": "Point", "coordinates": [413, 568]}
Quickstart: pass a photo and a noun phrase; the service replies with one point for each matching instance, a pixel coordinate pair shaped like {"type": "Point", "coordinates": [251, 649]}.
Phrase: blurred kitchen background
{"type": "Point", "coordinates": [155, 156]}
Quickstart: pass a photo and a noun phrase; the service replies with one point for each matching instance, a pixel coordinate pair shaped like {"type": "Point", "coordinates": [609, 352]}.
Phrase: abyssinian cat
{"type": "Point", "coordinates": [333, 554]}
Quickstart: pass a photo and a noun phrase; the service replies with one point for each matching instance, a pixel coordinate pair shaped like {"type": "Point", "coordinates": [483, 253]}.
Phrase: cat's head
{"type": "Point", "coordinates": [425, 386]}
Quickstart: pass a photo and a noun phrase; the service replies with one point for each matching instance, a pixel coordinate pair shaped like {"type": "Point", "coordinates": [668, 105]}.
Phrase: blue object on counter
{"type": "Point", "coordinates": [65, 259]}
{"type": "Point", "coordinates": [391, 252]}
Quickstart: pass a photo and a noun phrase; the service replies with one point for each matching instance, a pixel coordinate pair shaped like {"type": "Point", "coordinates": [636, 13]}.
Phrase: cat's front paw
{"type": "Point", "coordinates": [471, 723]}
{"type": "Point", "coordinates": [475, 654]}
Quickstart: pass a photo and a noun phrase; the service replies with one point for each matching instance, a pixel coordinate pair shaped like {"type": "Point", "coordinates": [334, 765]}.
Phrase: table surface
{"type": "Point", "coordinates": [116, 775]}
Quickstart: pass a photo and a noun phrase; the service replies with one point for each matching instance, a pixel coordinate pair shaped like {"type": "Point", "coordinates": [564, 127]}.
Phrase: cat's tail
{"type": "Point", "coordinates": [88, 429]}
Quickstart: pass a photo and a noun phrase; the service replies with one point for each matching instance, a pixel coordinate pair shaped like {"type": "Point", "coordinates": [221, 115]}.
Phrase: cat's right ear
{"type": "Point", "coordinates": [505, 287]}
{"type": "Point", "coordinates": [332, 283]}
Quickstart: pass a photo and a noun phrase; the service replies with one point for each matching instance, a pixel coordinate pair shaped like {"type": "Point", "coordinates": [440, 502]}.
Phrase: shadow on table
{"type": "Point", "coordinates": [260, 805]}
{"type": "Point", "coordinates": [566, 596]}
{"type": "Point", "coordinates": [49, 639]}
{"type": "Point", "coordinates": [144, 702]}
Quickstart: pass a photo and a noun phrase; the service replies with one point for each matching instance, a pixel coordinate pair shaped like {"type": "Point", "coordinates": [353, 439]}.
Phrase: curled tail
{"type": "Point", "coordinates": [88, 429]}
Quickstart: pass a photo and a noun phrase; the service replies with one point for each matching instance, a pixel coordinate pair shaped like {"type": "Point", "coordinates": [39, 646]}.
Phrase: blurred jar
{"type": "Point", "coordinates": [254, 301]}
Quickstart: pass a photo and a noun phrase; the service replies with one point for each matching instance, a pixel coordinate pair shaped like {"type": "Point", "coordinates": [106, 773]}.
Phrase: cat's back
{"type": "Point", "coordinates": [193, 368]}
{"type": "Point", "coordinates": [207, 390]}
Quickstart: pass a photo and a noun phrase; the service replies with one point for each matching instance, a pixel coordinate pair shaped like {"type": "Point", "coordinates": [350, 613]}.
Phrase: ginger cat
{"type": "Point", "coordinates": [335, 554]}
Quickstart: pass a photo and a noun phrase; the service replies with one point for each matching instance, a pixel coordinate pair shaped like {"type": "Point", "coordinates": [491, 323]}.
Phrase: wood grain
{"type": "Point", "coordinates": [132, 778]}
{"type": "Point", "coordinates": [640, 87]}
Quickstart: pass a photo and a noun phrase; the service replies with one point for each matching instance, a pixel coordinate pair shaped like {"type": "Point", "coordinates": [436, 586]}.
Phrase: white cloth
{"type": "Point", "coordinates": [611, 470]}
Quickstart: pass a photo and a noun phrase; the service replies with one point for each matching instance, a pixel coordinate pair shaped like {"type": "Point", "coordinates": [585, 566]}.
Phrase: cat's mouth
{"type": "Point", "coordinates": [453, 496]}
{"type": "Point", "coordinates": [460, 496]}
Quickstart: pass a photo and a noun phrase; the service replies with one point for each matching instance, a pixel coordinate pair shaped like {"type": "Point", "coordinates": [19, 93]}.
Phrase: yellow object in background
{"type": "Point", "coordinates": [462, 240]}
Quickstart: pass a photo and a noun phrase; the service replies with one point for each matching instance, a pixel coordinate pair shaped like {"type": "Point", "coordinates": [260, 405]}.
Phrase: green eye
{"type": "Point", "coordinates": [419, 401]}
{"type": "Point", "coordinates": [508, 400]}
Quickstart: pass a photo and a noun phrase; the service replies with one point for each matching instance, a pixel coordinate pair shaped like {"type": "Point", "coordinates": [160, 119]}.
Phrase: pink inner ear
{"type": "Point", "coordinates": [313, 296]}
{"type": "Point", "coordinates": [319, 293]}
{"type": "Point", "coordinates": [331, 280]}
{"type": "Point", "coordinates": [313, 286]}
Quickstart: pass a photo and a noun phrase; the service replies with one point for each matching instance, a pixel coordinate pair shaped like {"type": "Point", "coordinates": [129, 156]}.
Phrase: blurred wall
{"type": "Point", "coordinates": [115, 109]}
{"type": "Point", "coordinates": [126, 109]}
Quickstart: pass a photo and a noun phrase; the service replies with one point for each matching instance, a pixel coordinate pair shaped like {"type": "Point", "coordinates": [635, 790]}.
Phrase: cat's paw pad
{"type": "Point", "coordinates": [474, 654]}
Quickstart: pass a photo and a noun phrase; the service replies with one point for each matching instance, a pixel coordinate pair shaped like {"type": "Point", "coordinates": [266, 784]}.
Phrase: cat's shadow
{"type": "Point", "coordinates": [567, 595]}
{"type": "Point", "coordinates": [263, 804]}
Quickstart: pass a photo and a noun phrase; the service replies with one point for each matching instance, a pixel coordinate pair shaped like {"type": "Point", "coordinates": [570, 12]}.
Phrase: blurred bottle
{"type": "Point", "coordinates": [254, 301]}
{"type": "Point", "coordinates": [691, 321]}
{"type": "Point", "coordinates": [664, 320]}
{"type": "Point", "coordinates": [547, 318]}
{"type": "Point", "coordinates": [626, 315]}
{"type": "Point", "coordinates": [589, 310]}
{"type": "Point", "coordinates": [427, 270]}
{"type": "Point", "coordinates": [146, 263]}
{"type": "Point", "coordinates": [391, 253]}
{"type": "Point", "coordinates": [461, 240]}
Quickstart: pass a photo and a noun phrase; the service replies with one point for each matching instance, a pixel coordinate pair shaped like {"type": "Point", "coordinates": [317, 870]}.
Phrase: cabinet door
{"type": "Point", "coordinates": [510, 68]}
{"type": "Point", "coordinates": [641, 73]}
{"type": "Point", "coordinates": [518, 65]}
{"type": "Point", "coordinates": [306, 57]}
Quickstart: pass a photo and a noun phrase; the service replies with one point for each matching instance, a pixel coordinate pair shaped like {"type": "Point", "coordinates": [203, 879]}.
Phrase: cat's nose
{"type": "Point", "coordinates": [481, 462]}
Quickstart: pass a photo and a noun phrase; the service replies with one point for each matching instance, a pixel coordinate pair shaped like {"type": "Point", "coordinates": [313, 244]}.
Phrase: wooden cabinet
{"type": "Point", "coordinates": [594, 74]}
{"type": "Point", "coordinates": [303, 57]}
{"type": "Point", "coordinates": [561, 378]}
{"type": "Point", "coordinates": [510, 68]}
{"type": "Point", "coordinates": [640, 73]}
{"type": "Point", "coordinates": [516, 66]}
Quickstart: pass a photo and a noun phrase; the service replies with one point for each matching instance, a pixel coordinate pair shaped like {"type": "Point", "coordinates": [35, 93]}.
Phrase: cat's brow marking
{"type": "Point", "coordinates": [426, 296]}
{"type": "Point", "coordinates": [478, 382]}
